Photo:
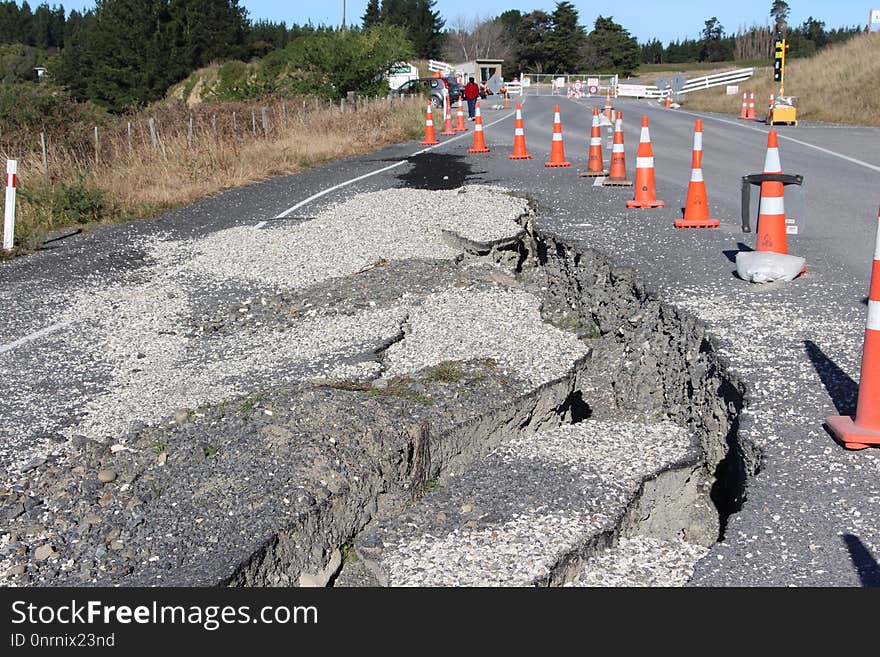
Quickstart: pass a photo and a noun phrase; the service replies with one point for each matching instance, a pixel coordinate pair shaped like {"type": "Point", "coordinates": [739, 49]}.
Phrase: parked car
{"type": "Point", "coordinates": [432, 87]}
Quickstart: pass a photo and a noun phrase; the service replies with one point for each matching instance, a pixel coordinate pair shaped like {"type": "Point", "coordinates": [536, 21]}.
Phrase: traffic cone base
{"type": "Point", "coordinates": [594, 174]}
{"type": "Point", "coordinates": [697, 223]}
{"type": "Point", "coordinates": [850, 434]}
{"type": "Point", "coordinates": [615, 182]}
{"type": "Point", "coordinates": [645, 204]}
{"type": "Point", "coordinates": [519, 157]}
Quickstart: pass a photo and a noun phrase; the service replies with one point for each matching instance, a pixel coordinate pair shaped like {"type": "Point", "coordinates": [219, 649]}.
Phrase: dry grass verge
{"type": "Point", "coordinates": [838, 85]}
{"type": "Point", "coordinates": [130, 179]}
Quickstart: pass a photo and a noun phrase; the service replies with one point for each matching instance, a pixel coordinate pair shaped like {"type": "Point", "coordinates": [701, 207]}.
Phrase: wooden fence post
{"type": "Point", "coordinates": [254, 122]}
{"type": "Point", "coordinates": [45, 154]}
{"type": "Point", "coordinates": [97, 146]}
{"type": "Point", "coordinates": [154, 134]}
{"type": "Point", "coordinates": [234, 124]}
{"type": "Point", "coordinates": [265, 116]}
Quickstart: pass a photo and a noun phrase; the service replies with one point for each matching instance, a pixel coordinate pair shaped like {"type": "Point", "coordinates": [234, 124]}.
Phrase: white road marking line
{"type": "Point", "coordinates": [260, 225]}
{"type": "Point", "coordinates": [378, 171]}
{"type": "Point", "coordinates": [598, 182]}
{"type": "Point", "coordinates": [33, 336]}
{"type": "Point", "coordinates": [867, 165]}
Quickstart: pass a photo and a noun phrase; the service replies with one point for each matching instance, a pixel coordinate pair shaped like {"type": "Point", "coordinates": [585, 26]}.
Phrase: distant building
{"type": "Point", "coordinates": [481, 69]}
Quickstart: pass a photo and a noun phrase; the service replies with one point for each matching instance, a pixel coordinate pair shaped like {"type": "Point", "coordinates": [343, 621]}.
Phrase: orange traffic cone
{"type": "Point", "coordinates": [744, 112]}
{"type": "Point", "coordinates": [769, 120]}
{"type": "Point", "coordinates": [617, 177]}
{"type": "Point", "coordinates": [430, 137]}
{"type": "Point", "coordinates": [696, 208]}
{"type": "Point", "coordinates": [479, 140]}
{"type": "Point", "coordinates": [771, 235]}
{"type": "Point", "coordinates": [751, 115]}
{"type": "Point", "coordinates": [645, 196]}
{"type": "Point", "coordinates": [506, 101]}
{"type": "Point", "coordinates": [669, 99]}
{"type": "Point", "coordinates": [459, 119]}
{"type": "Point", "coordinates": [519, 138]}
{"type": "Point", "coordinates": [595, 165]}
{"type": "Point", "coordinates": [447, 116]}
{"type": "Point", "coordinates": [608, 105]}
{"type": "Point", "coordinates": [557, 147]}
{"type": "Point", "coordinates": [864, 429]}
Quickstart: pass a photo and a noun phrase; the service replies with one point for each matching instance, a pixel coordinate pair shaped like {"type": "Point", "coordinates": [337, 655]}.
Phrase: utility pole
{"type": "Point", "coordinates": [343, 15]}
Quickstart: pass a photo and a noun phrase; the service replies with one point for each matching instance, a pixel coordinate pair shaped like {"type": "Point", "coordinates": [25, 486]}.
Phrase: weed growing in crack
{"type": "Point", "coordinates": [349, 553]}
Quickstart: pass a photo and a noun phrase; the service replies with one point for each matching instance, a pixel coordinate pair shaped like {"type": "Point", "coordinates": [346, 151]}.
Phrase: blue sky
{"type": "Point", "coordinates": [666, 19]}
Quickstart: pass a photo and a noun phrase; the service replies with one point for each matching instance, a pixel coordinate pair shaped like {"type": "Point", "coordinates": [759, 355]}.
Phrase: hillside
{"type": "Point", "coordinates": [837, 85]}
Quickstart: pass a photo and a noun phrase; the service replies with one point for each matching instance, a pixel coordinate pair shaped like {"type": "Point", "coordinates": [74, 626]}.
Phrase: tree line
{"type": "Point", "coordinates": [127, 53]}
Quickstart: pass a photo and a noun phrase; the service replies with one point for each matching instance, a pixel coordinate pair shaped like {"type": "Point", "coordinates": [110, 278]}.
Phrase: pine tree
{"type": "Point", "coordinates": [565, 41]}
{"type": "Point", "coordinates": [609, 47]}
{"type": "Point", "coordinates": [204, 31]}
{"type": "Point", "coordinates": [372, 16]}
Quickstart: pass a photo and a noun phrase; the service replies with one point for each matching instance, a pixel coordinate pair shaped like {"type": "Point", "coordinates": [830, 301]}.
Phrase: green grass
{"type": "Point", "coordinates": [250, 402]}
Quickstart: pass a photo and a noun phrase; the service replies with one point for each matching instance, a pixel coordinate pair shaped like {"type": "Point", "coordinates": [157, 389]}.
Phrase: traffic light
{"type": "Point", "coordinates": [778, 60]}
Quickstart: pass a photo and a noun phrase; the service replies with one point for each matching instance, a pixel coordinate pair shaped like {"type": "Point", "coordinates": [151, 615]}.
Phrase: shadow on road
{"type": "Point", "coordinates": [864, 562]}
{"type": "Point", "coordinates": [730, 254]}
{"type": "Point", "coordinates": [839, 385]}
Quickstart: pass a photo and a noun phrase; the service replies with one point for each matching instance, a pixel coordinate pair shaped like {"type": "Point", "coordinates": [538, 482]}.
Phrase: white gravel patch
{"type": "Point", "coordinates": [394, 224]}
{"type": "Point", "coordinates": [157, 369]}
{"type": "Point", "coordinates": [604, 462]}
{"type": "Point", "coordinates": [642, 561]}
{"type": "Point", "coordinates": [459, 324]}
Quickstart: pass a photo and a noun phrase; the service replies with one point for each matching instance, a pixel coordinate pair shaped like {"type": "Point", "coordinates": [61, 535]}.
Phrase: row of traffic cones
{"type": "Point", "coordinates": [771, 232]}
{"type": "Point", "coordinates": [448, 129]}
{"type": "Point", "coordinates": [747, 112]}
{"type": "Point", "coordinates": [854, 432]}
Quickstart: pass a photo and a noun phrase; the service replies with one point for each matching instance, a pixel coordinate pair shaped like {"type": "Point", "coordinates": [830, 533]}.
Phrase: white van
{"type": "Point", "coordinates": [400, 73]}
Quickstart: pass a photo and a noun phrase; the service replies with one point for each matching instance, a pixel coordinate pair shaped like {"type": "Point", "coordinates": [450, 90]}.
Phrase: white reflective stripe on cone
{"type": "Point", "coordinates": [429, 122]}
{"type": "Point", "coordinates": [518, 132]}
{"type": "Point", "coordinates": [873, 321]}
{"type": "Point", "coordinates": [618, 148]}
{"type": "Point", "coordinates": [556, 118]}
{"type": "Point", "coordinates": [696, 175]}
{"type": "Point", "coordinates": [557, 136]}
{"type": "Point", "coordinates": [645, 136]}
{"type": "Point", "coordinates": [644, 163]}
{"type": "Point", "coordinates": [772, 164]}
{"type": "Point", "coordinates": [772, 205]}
{"type": "Point", "coordinates": [698, 141]}
{"type": "Point", "coordinates": [595, 141]}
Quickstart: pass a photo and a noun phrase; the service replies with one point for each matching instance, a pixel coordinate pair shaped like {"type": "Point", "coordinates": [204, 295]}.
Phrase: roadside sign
{"type": "Point", "coordinates": [593, 82]}
{"type": "Point", "coordinates": [593, 89]}
{"type": "Point", "coordinates": [874, 19]}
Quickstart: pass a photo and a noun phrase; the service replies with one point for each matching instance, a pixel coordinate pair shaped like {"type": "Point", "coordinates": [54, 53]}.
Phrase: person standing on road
{"type": "Point", "coordinates": [471, 93]}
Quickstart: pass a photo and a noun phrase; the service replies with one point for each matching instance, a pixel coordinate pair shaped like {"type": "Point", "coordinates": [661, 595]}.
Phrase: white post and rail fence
{"type": "Point", "coordinates": [696, 84]}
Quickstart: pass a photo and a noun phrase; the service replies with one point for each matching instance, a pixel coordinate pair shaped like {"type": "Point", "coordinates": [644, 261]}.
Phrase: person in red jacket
{"type": "Point", "coordinates": [471, 93]}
